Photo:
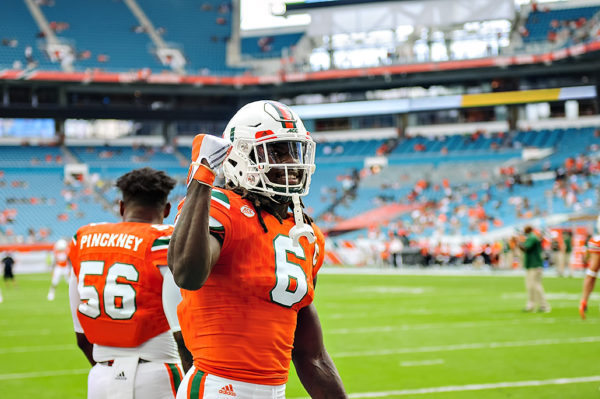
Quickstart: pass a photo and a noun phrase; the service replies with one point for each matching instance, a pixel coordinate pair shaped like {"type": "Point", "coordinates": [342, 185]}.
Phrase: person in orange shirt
{"type": "Point", "coordinates": [247, 267]}
{"type": "Point", "coordinates": [61, 267]}
{"type": "Point", "coordinates": [123, 297]}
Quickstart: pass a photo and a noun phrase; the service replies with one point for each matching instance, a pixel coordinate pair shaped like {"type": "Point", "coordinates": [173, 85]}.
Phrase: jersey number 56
{"type": "Point", "coordinates": [118, 298]}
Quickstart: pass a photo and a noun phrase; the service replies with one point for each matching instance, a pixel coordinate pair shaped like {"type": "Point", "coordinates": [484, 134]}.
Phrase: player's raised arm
{"type": "Point", "coordinates": [192, 250]}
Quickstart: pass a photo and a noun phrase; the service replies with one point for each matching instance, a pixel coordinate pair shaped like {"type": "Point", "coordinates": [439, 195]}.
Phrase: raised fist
{"type": "Point", "coordinates": [207, 152]}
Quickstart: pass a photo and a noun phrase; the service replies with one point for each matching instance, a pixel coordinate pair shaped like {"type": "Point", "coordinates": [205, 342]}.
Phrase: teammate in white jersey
{"type": "Point", "coordinates": [61, 267]}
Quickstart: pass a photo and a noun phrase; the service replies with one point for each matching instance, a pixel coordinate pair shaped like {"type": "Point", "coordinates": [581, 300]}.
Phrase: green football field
{"type": "Point", "coordinates": [392, 336]}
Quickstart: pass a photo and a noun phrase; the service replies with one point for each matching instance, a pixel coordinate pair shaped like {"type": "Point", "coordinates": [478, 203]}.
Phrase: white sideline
{"type": "Point", "coordinates": [421, 349]}
{"type": "Point", "coordinates": [458, 347]}
{"type": "Point", "coordinates": [477, 387]}
{"type": "Point", "coordinates": [14, 333]}
{"type": "Point", "coordinates": [417, 363]}
{"type": "Point", "coordinates": [462, 271]}
{"type": "Point", "coordinates": [49, 348]}
{"type": "Point", "coordinates": [39, 374]}
{"type": "Point", "coordinates": [427, 326]}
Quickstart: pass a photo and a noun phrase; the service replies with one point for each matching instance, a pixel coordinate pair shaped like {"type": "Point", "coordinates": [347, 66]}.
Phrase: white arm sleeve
{"type": "Point", "coordinates": [74, 301]}
{"type": "Point", "coordinates": [171, 296]}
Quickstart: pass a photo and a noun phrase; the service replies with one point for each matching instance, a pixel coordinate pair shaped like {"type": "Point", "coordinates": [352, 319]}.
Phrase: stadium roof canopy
{"type": "Point", "coordinates": [334, 17]}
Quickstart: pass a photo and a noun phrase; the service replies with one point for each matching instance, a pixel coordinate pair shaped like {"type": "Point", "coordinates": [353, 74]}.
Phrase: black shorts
{"type": "Point", "coordinates": [8, 273]}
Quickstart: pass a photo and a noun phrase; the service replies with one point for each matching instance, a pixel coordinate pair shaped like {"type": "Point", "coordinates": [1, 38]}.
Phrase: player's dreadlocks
{"type": "Point", "coordinates": [146, 187]}
{"type": "Point", "coordinates": [260, 202]}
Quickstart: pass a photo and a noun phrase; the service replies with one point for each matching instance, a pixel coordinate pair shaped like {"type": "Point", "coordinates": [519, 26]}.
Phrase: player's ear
{"type": "Point", "coordinates": [167, 210]}
{"type": "Point", "coordinates": [121, 207]}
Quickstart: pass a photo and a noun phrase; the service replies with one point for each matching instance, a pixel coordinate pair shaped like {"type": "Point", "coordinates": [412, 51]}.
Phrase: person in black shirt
{"type": "Point", "coordinates": [8, 262]}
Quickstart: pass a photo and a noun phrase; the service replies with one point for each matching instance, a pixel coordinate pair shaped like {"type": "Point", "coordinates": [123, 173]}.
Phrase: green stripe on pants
{"type": "Point", "coordinates": [176, 375]}
{"type": "Point", "coordinates": [195, 384]}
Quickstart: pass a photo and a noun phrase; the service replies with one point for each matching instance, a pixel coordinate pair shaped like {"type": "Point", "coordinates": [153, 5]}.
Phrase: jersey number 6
{"type": "Point", "coordinates": [291, 286]}
{"type": "Point", "coordinates": [119, 298]}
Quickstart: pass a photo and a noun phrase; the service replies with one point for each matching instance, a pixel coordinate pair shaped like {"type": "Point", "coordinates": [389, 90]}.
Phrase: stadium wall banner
{"type": "Point", "coordinates": [401, 106]}
{"type": "Point", "coordinates": [29, 258]}
{"type": "Point", "coordinates": [528, 96]}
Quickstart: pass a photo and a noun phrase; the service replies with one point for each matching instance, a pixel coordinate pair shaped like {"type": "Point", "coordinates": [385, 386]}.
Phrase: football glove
{"type": "Point", "coordinates": [582, 308]}
{"type": "Point", "coordinates": [211, 149]}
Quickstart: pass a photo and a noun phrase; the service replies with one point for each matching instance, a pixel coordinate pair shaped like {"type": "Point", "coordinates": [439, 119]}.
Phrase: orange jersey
{"type": "Point", "coordinates": [60, 257]}
{"type": "Point", "coordinates": [593, 245]}
{"type": "Point", "coordinates": [241, 323]}
{"type": "Point", "coordinates": [119, 281]}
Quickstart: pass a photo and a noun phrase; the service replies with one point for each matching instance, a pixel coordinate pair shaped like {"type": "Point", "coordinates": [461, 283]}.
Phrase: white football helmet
{"type": "Point", "coordinates": [60, 245]}
{"type": "Point", "coordinates": [272, 153]}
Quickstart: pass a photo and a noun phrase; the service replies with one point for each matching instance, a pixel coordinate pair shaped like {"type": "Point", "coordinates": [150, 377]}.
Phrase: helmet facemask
{"type": "Point", "coordinates": [275, 166]}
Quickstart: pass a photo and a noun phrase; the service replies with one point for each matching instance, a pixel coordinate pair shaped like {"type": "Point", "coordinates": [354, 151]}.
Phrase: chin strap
{"type": "Point", "coordinates": [300, 229]}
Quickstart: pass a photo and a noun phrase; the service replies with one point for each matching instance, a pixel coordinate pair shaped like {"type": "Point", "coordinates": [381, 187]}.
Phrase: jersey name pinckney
{"type": "Point", "coordinates": [127, 241]}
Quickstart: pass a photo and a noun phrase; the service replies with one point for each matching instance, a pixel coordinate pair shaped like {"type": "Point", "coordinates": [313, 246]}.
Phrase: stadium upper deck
{"type": "Point", "coordinates": [116, 43]}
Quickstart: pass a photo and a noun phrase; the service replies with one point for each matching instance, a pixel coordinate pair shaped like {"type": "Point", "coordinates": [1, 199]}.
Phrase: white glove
{"type": "Point", "coordinates": [214, 150]}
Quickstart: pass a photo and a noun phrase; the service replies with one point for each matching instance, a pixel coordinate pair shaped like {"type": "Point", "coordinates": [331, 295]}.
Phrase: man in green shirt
{"type": "Point", "coordinates": [531, 246]}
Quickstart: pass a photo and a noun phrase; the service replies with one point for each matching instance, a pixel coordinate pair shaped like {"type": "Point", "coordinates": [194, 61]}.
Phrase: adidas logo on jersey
{"type": "Point", "coordinates": [227, 390]}
{"type": "Point", "coordinates": [121, 376]}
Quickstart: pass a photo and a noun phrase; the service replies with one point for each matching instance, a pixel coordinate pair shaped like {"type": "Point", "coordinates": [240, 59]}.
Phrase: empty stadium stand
{"type": "Point", "coordinates": [542, 25]}
{"type": "Point", "coordinates": [102, 35]}
{"type": "Point", "coordinates": [18, 31]}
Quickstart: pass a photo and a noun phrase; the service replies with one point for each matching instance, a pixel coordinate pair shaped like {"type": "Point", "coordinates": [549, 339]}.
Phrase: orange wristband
{"type": "Point", "coordinates": [204, 175]}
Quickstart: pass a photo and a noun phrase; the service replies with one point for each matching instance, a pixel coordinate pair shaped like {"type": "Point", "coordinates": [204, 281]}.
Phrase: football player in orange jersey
{"type": "Point", "coordinates": [61, 266]}
{"type": "Point", "coordinates": [123, 297]}
{"type": "Point", "coordinates": [247, 266]}
{"type": "Point", "coordinates": [593, 249]}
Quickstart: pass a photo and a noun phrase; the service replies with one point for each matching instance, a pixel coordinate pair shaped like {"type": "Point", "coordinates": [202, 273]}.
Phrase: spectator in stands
{"type": "Point", "coordinates": [531, 246]}
{"type": "Point", "coordinates": [224, 8]}
{"type": "Point", "coordinates": [31, 237]}
{"type": "Point", "coordinates": [30, 61]}
{"type": "Point", "coordinates": [419, 147]}
{"type": "Point", "coordinates": [265, 43]}
{"type": "Point", "coordinates": [10, 42]}
{"type": "Point", "coordinates": [138, 29]}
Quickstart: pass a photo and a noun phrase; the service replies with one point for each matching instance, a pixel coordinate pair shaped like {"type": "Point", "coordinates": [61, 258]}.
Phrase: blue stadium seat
{"type": "Point", "coordinates": [18, 24]}
{"type": "Point", "coordinates": [200, 29]}
{"type": "Point", "coordinates": [538, 23]}
{"type": "Point", "coordinates": [104, 28]}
